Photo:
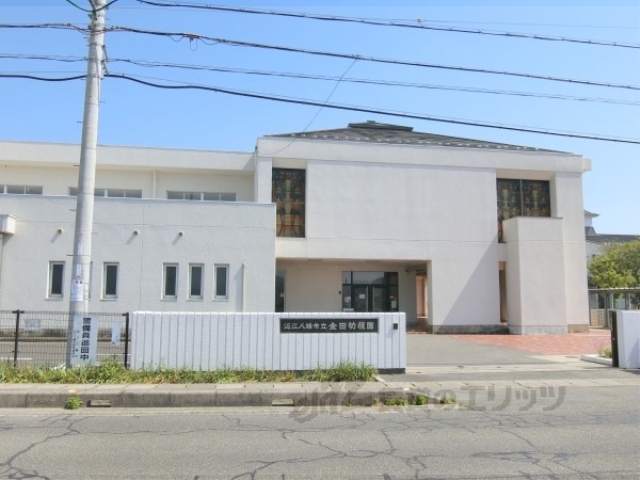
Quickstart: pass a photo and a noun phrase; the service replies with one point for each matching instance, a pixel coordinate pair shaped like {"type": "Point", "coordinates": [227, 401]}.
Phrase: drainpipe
{"type": "Point", "coordinates": [244, 286]}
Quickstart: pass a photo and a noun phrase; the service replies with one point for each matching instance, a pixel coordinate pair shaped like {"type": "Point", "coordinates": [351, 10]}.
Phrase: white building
{"type": "Point", "coordinates": [371, 217]}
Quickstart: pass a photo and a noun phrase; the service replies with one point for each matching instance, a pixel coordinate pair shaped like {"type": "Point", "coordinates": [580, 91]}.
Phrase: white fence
{"type": "Point", "coordinates": [267, 341]}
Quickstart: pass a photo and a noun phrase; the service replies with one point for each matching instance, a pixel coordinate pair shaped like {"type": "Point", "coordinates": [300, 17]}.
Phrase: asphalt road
{"type": "Point", "coordinates": [594, 432]}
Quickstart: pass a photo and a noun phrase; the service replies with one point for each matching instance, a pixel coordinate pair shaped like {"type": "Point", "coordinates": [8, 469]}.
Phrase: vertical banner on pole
{"type": "Point", "coordinates": [84, 341]}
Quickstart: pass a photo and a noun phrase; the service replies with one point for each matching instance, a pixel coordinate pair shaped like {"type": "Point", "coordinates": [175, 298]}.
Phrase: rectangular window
{"type": "Point", "coordinates": [202, 196]}
{"type": "Point", "coordinates": [222, 281]}
{"type": "Point", "coordinates": [110, 281]}
{"type": "Point", "coordinates": [195, 281]}
{"type": "Point", "coordinates": [21, 189]}
{"type": "Point", "coordinates": [110, 192]}
{"type": "Point", "coordinates": [56, 279]}
{"type": "Point", "coordinates": [522, 198]}
{"type": "Point", "coordinates": [170, 288]}
{"type": "Point", "coordinates": [288, 193]}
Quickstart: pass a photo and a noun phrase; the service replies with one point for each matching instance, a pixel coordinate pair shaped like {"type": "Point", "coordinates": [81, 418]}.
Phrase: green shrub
{"type": "Point", "coordinates": [420, 400]}
{"type": "Point", "coordinates": [113, 372]}
{"type": "Point", "coordinates": [396, 401]}
{"type": "Point", "coordinates": [73, 403]}
{"type": "Point", "coordinates": [606, 352]}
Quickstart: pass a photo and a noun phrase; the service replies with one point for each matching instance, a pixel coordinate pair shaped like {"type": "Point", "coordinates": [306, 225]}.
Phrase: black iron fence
{"type": "Point", "coordinates": [39, 338]}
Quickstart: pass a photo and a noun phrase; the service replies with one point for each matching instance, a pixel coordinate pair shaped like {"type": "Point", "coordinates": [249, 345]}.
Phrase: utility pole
{"type": "Point", "coordinates": [81, 266]}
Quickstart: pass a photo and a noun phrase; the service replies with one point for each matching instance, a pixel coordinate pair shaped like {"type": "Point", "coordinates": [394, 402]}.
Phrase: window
{"type": "Point", "coordinates": [56, 279]}
{"type": "Point", "coordinates": [288, 193]}
{"type": "Point", "coordinates": [110, 192]}
{"type": "Point", "coordinates": [522, 198]}
{"type": "Point", "coordinates": [20, 190]}
{"type": "Point", "coordinates": [170, 287]}
{"type": "Point", "coordinates": [221, 281]}
{"type": "Point", "coordinates": [110, 281]}
{"type": "Point", "coordinates": [195, 281]}
{"type": "Point", "coordinates": [202, 196]}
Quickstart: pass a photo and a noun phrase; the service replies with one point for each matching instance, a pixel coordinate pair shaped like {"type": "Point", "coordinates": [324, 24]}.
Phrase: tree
{"type": "Point", "coordinates": [617, 267]}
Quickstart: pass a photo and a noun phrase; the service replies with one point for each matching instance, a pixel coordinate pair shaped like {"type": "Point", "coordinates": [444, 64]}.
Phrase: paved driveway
{"type": "Point", "coordinates": [454, 350]}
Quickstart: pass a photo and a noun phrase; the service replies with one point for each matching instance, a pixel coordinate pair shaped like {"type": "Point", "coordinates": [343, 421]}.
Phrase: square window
{"type": "Point", "coordinates": [56, 279]}
{"type": "Point", "coordinates": [195, 281]}
{"type": "Point", "coordinates": [170, 287]}
{"type": "Point", "coordinates": [221, 281]}
{"type": "Point", "coordinates": [110, 281]}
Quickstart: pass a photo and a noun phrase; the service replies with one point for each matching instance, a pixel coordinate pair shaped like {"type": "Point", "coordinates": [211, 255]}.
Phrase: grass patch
{"type": "Point", "coordinates": [113, 372]}
{"type": "Point", "coordinates": [73, 403]}
{"type": "Point", "coordinates": [605, 352]}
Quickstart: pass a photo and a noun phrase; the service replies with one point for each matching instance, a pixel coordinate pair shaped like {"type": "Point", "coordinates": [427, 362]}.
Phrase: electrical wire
{"type": "Point", "coordinates": [419, 23]}
{"type": "Point", "coordinates": [282, 48]}
{"type": "Point", "coordinates": [385, 83]}
{"type": "Point", "coordinates": [353, 108]}
{"type": "Point", "coordinates": [177, 36]}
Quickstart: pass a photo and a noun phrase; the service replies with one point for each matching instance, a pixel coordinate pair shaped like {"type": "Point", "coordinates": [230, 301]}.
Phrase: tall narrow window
{"type": "Point", "coordinates": [170, 288]}
{"type": "Point", "coordinates": [195, 281]}
{"type": "Point", "coordinates": [288, 193]}
{"type": "Point", "coordinates": [56, 279]}
{"type": "Point", "coordinates": [222, 281]}
{"type": "Point", "coordinates": [110, 281]}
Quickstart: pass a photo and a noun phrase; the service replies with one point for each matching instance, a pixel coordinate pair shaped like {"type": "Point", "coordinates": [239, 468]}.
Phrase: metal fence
{"type": "Point", "coordinates": [39, 338]}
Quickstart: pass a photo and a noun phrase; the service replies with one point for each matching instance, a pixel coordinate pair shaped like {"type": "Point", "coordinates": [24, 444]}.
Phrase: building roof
{"type": "Point", "coordinates": [603, 238]}
{"type": "Point", "coordinates": [374, 132]}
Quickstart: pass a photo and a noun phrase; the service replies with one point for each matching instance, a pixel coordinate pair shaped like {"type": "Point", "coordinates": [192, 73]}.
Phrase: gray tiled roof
{"type": "Point", "coordinates": [611, 238]}
{"type": "Point", "coordinates": [374, 132]}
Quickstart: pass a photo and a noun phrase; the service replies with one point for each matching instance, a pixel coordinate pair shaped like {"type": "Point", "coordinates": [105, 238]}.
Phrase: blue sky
{"type": "Point", "coordinates": [133, 114]}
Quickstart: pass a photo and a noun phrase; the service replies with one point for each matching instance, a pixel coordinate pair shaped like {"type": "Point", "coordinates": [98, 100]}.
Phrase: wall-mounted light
{"type": "Point", "coordinates": [59, 230]}
{"type": "Point", "coordinates": [136, 232]}
{"type": "Point", "coordinates": [180, 234]}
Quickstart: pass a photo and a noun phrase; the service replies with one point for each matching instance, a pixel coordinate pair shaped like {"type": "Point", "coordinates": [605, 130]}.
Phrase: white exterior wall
{"type": "Point", "coordinates": [432, 205]}
{"type": "Point", "coordinates": [569, 207]}
{"type": "Point", "coordinates": [213, 233]}
{"type": "Point", "coordinates": [152, 170]}
{"type": "Point", "coordinates": [535, 273]}
{"type": "Point", "coordinates": [369, 207]}
{"type": "Point", "coordinates": [416, 214]}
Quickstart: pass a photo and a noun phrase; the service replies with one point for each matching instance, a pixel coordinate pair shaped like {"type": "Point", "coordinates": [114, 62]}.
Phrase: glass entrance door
{"type": "Point", "coordinates": [369, 298]}
{"type": "Point", "coordinates": [370, 291]}
{"type": "Point", "coordinates": [360, 298]}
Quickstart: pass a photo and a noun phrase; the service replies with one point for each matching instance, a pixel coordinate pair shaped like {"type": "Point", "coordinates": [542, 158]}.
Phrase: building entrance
{"type": "Point", "coordinates": [370, 292]}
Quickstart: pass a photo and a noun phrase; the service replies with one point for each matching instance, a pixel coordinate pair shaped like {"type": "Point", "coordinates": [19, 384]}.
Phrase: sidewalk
{"type": "Point", "coordinates": [436, 364]}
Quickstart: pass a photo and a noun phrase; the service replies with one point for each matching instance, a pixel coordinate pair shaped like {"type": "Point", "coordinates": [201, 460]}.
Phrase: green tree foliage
{"type": "Point", "coordinates": [618, 266]}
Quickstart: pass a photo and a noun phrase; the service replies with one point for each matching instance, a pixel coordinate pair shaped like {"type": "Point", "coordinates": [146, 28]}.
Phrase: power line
{"type": "Point", "coordinates": [387, 83]}
{"type": "Point", "coordinates": [238, 43]}
{"type": "Point", "coordinates": [418, 23]}
{"type": "Point", "coordinates": [353, 108]}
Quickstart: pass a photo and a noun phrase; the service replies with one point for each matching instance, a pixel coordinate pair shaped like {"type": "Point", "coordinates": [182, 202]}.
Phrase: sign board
{"type": "Point", "coordinates": [32, 324]}
{"type": "Point", "coordinates": [328, 325]}
{"type": "Point", "coordinates": [84, 341]}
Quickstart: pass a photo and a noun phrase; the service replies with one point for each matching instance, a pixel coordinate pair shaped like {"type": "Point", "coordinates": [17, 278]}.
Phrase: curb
{"type": "Point", "coordinates": [596, 359]}
{"type": "Point", "coordinates": [196, 395]}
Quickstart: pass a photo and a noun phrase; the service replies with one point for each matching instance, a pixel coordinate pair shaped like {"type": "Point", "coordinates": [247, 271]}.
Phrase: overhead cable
{"type": "Point", "coordinates": [238, 43]}
{"type": "Point", "coordinates": [386, 83]}
{"type": "Point", "coordinates": [353, 108]}
{"type": "Point", "coordinates": [417, 24]}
